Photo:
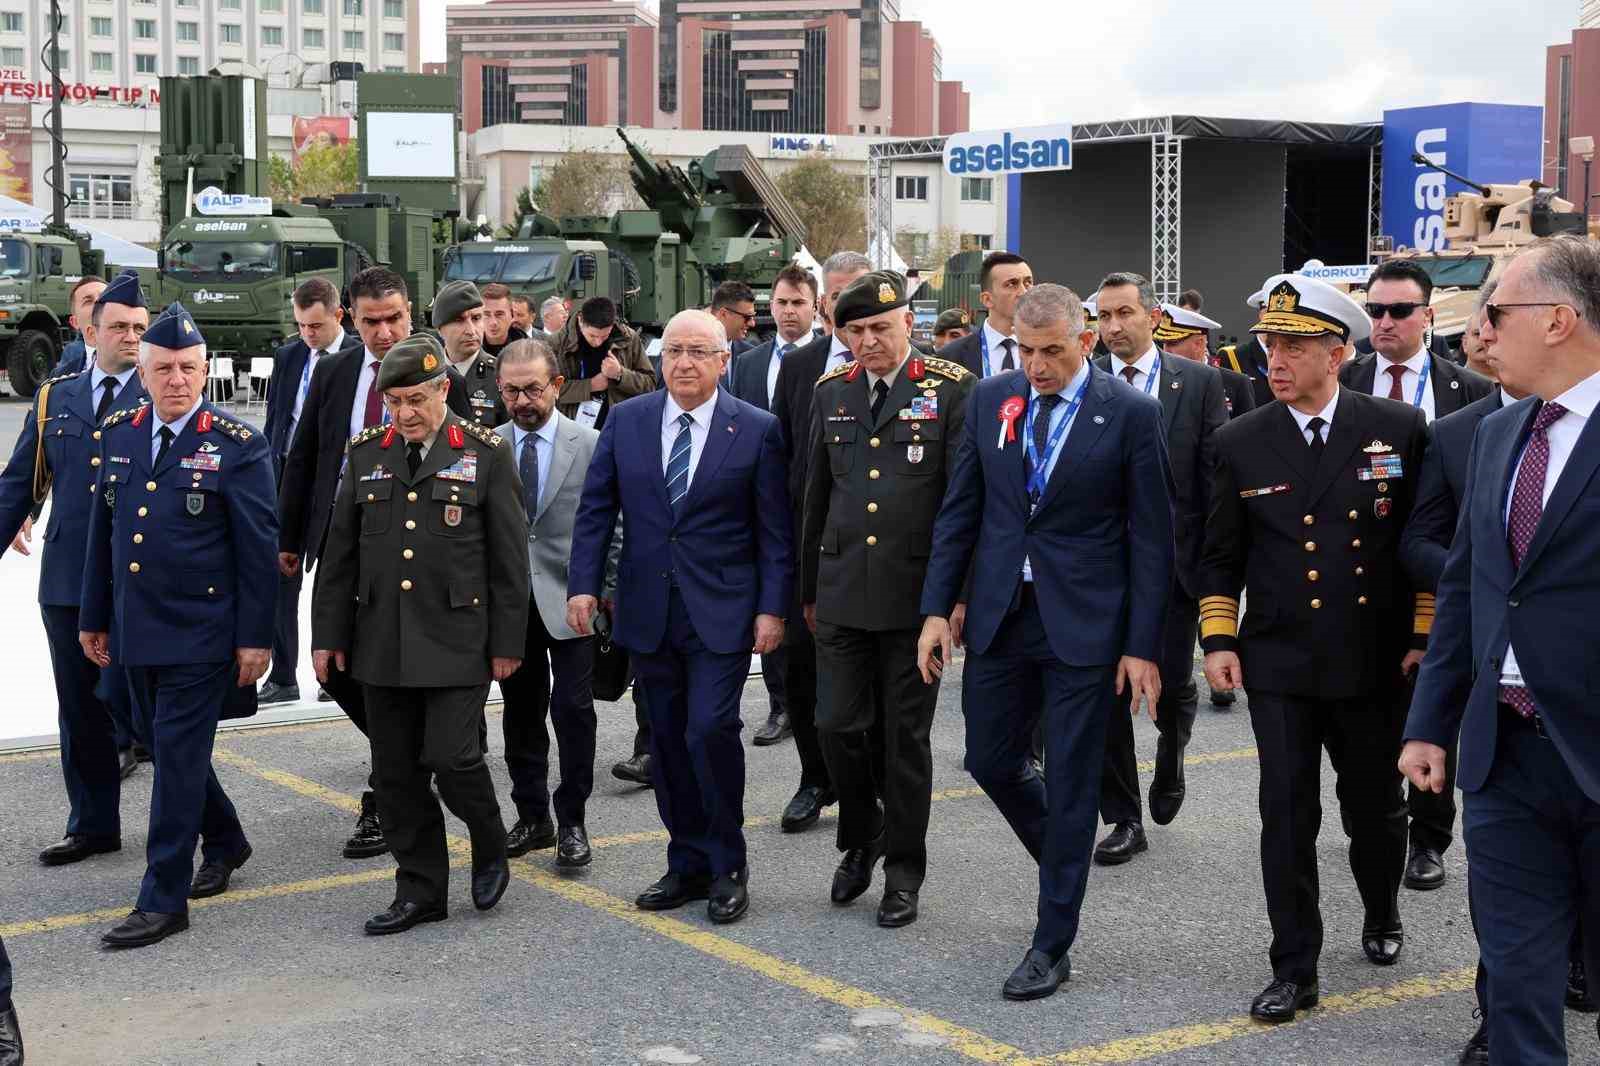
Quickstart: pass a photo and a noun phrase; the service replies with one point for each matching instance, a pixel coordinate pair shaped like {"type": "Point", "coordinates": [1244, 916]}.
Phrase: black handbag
{"type": "Point", "coordinates": [613, 667]}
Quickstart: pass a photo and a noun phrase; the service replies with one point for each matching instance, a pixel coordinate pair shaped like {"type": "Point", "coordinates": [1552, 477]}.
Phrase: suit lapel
{"type": "Point", "coordinates": [719, 439]}
{"type": "Point", "coordinates": [1343, 436]}
{"type": "Point", "coordinates": [1014, 454]}
{"type": "Point", "coordinates": [1575, 477]}
{"type": "Point", "coordinates": [1170, 389]}
{"type": "Point", "coordinates": [900, 393]}
{"type": "Point", "coordinates": [1290, 443]}
{"type": "Point", "coordinates": [183, 444]}
{"type": "Point", "coordinates": [1445, 381]}
{"type": "Point", "coordinates": [440, 454]}
{"type": "Point", "coordinates": [1088, 426]}
{"type": "Point", "coordinates": [343, 397]}
{"type": "Point", "coordinates": [561, 460]}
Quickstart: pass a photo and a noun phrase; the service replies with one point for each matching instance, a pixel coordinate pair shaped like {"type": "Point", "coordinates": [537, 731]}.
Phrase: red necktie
{"type": "Point", "coordinates": [1130, 372]}
{"type": "Point", "coordinates": [374, 410]}
{"type": "Point", "coordinates": [1396, 372]}
{"type": "Point", "coordinates": [1527, 505]}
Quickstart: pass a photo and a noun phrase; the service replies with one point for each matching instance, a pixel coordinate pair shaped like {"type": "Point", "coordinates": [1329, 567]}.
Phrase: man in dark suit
{"type": "Point", "coordinates": [1065, 518]}
{"type": "Point", "coordinates": [1507, 664]}
{"type": "Point", "coordinates": [319, 318]}
{"type": "Point", "coordinates": [755, 381]}
{"type": "Point", "coordinates": [342, 399]}
{"type": "Point", "coordinates": [797, 380]}
{"type": "Point", "coordinates": [1311, 494]}
{"type": "Point", "coordinates": [10, 1030]}
{"type": "Point", "coordinates": [992, 348]}
{"type": "Point", "coordinates": [1192, 410]}
{"type": "Point", "coordinates": [706, 566]}
{"type": "Point", "coordinates": [1402, 369]}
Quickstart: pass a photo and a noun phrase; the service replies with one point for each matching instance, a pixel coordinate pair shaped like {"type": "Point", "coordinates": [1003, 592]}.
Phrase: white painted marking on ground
{"type": "Point", "coordinates": [875, 1016]}
{"type": "Point", "coordinates": [835, 1042]}
{"type": "Point", "coordinates": [672, 1056]}
{"type": "Point", "coordinates": [911, 1036]}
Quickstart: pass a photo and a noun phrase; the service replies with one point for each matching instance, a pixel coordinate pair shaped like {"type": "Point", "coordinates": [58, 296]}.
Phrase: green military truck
{"type": "Point", "coordinates": [37, 272]}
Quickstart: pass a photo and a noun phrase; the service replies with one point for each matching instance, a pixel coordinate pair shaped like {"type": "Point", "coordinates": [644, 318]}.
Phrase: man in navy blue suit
{"type": "Point", "coordinates": [1065, 517]}
{"type": "Point", "coordinates": [1508, 658]}
{"type": "Point", "coordinates": [699, 478]}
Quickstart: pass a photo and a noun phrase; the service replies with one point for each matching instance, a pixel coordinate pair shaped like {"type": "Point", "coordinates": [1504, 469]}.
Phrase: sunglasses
{"type": "Point", "coordinates": [1399, 312]}
{"type": "Point", "coordinates": [1495, 313]}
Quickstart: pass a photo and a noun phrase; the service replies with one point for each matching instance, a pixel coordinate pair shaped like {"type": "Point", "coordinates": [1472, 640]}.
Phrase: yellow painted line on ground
{"type": "Point", "coordinates": [293, 782]}
{"type": "Point", "coordinates": [32, 756]}
{"type": "Point", "coordinates": [1189, 1037]}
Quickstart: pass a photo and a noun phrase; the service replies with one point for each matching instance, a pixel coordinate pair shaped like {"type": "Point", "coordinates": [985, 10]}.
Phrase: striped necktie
{"type": "Point", "coordinates": [678, 464]}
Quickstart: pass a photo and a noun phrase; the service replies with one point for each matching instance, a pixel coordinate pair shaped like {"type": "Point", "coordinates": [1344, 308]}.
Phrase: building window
{"type": "Point", "coordinates": [353, 8]}
{"type": "Point", "coordinates": [188, 66]}
{"type": "Point", "coordinates": [100, 195]}
{"type": "Point", "coordinates": [99, 26]}
{"type": "Point", "coordinates": [272, 36]}
{"type": "Point", "coordinates": [188, 31]}
{"type": "Point", "coordinates": [186, 3]}
{"type": "Point", "coordinates": [232, 33]}
{"type": "Point", "coordinates": [394, 42]}
{"type": "Point", "coordinates": [228, 5]}
{"type": "Point", "coordinates": [394, 70]}
{"type": "Point", "coordinates": [976, 242]}
{"type": "Point", "coordinates": [11, 22]}
{"type": "Point", "coordinates": [144, 29]}
{"type": "Point", "coordinates": [394, 9]}
{"type": "Point", "coordinates": [11, 57]}
{"type": "Point", "coordinates": [355, 41]}
{"type": "Point", "coordinates": [906, 188]}
{"type": "Point", "coordinates": [269, 5]}
{"type": "Point", "coordinates": [144, 64]}
{"type": "Point", "coordinates": [977, 190]}
{"type": "Point", "coordinates": [311, 38]}
{"type": "Point", "coordinates": [101, 62]}
{"type": "Point", "coordinates": [312, 7]}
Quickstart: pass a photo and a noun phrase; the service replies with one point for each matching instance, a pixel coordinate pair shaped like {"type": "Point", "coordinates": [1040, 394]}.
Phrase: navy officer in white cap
{"type": "Point", "coordinates": [1187, 334]}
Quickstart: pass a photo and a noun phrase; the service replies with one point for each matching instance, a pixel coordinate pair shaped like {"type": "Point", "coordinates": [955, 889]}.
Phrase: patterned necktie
{"type": "Point", "coordinates": [1041, 428]}
{"type": "Point", "coordinates": [678, 464]}
{"type": "Point", "coordinates": [1008, 363]}
{"type": "Point", "coordinates": [1527, 505]}
{"type": "Point", "coordinates": [109, 384]}
{"type": "Point", "coordinates": [1316, 443]}
{"type": "Point", "coordinates": [1130, 372]}
{"type": "Point", "coordinates": [528, 467]}
{"type": "Point", "coordinates": [413, 457]}
{"type": "Point", "coordinates": [1395, 373]}
{"type": "Point", "coordinates": [166, 442]}
{"type": "Point", "coordinates": [880, 393]}
{"type": "Point", "coordinates": [785, 350]}
{"type": "Point", "coordinates": [373, 414]}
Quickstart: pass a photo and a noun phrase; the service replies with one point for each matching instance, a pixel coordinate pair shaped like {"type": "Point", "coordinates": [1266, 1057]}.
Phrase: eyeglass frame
{"type": "Point", "coordinates": [1493, 312]}
{"type": "Point", "coordinates": [1376, 311]}
{"type": "Point", "coordinates": [509, 393]}
{"type": "Point", "coordinates": [698, 354]}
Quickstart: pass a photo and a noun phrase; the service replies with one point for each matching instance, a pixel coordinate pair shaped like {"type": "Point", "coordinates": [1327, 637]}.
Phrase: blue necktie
{"type": "Point", "coordinates": [528, 467]}
{"type": "Point", "coordinates": [785, 350]}
{"type": "Point", "coordinates": [678, 464]}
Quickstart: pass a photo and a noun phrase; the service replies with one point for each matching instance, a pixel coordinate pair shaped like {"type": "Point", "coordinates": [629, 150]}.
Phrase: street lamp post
{"type": "Point", "coordinates": [1583, 147]}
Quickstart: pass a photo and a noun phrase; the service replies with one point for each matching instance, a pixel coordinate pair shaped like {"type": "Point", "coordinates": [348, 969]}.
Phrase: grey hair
{"type": "Point", "coordinates": [1147, 292]}
{"type": "Point", "coordinates": [145, 348]}
{"type": "Point", "coordinates": [1569, 267]}
{"type": "Point", "coordinates": [846, 263]}
{"type": "Point", "coordinates": [551, 304]}
{"type": "Point", "coordinates": [697, 317]}
{"type": "Point", "coordinates": [1047, 304]}
{"type": "Point", "coordinates": [527, 350]}
{"type": "Point", "coordinates": [1486, 294]}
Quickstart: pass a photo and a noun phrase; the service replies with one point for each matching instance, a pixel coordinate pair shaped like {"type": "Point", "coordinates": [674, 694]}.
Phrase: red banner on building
{"type": "Point", "coordinates": [16, 151]}
{"type": "Point", "coordinates": [319, 131]}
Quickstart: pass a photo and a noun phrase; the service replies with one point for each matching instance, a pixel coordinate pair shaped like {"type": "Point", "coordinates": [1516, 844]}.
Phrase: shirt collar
{"type": "Point", "coordinates": [1301, 419]}
{"type": "Point", "coordinates": [701, 414]}
{"type": "Point", "coordinates": [994, 336]}
{"type": "Point", "coordinates": [839, 347]}
{"type": "Point", "coordinates": [805, 338]}
{"type": "Point", "coordinates": [1583, 397]}
{"type": "Point", "coordinates": [177, 424]}
{"type": "Point", "coordinates": [891, 377]}
{"type": "Point", "coordinates": [1145, 364]}
{"type": "Point", "coordinates": [97, 375]}
{"type": "Point", "coordinates": [367, 358]}
{"type": "Point", "coordinates": [1071, 388]}
{"type": "Point", "coordinates": [1414, 364]}
{"type": "Point", "coordinates": [546, 432]}
{"type": "Point", "coordinates": [337, 343]}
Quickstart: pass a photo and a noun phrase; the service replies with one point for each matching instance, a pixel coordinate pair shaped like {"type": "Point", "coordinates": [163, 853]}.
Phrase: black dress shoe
{"type": "Point", "coordinates": [854, 875]}
{"type": "Point", "coordinates": [636, 769]}
{"type": "Point", "coordinates": [806, 807]}
{"type": "Point", "coordinates": [275, 693]}
{"type": "Point", "coordinates": [729, 897]}
{"type": "Point", "coordinates": [1476, 1053]}
{"type": "Point", "coordinates": [127, 763]}
{"type": "Point", "coordinates": [1578, 994]}
{"type": "Point", "coordinates": [1037, 976]}
{"type": "Point", "coordinates": [1279, 1001]}
{"type": "Point", "coordinates": [10, 1038]}
{"type": "Point", "coordinates": [489, 884]}
{"type": "Point", "coordinates": [142, 753]}
{"type": "Point", "coordinates": [898, 908]}
{"type": "Point", "coordinates": [672, 892]}
{"type": "Point", "coordinates": [573, 849]}
{"type": "Point", "coordinates": [212, 877]}
{"type": "Point", "coordinates": [1382, 946]}
{"type": "Point", "coordinates": [402, 915]}
{"type": "Point", "coordinates": [1167, 788]}
{"type": "Point", "coordinates": [367, 840]}
{"type": "Point", "coordinates": [1223, 699]}
{"type": "Point", "coordinates": [528, 836]}
{"type": "Point", "coordinates": [1424, 870]}
{"type": "Point", "coordinates": [775, 731]}
{"type": "Point", "coordinates": [1125, 840]}
{"type": "Point", "coordinates": [323, 695]}
{"type": "Point", "coordinates": [76, 848]}
{"type": "Point", "coordinates": [143, 928]}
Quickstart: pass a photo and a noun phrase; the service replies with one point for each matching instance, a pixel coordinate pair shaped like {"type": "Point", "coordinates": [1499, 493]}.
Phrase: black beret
{"type": "Point", "coordinates": [417, 359]}
{"type": "Point", "coordinates": [453, 301]}
{"type": "Point", "coordinates": [870, 294]}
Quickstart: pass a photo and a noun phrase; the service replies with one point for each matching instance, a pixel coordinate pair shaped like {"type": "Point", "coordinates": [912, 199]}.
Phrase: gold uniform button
{"type": "Point", "coordinates": [411, 523]}
{"type": "Point", "coordinates": [1354, 515]}
{"type": "Point", "coordinates": [474, 601]}
{"type": "Point", "coordinates": [872, 542]}
{"type": "Point", "coordinates": [1356, 543]}
{"type": "Point", "coordinates": [408, 553]}
{"type": "Point", "coordinates": [149, 486]}
{"type": "Point", "coordinates": [1311, 545]}
{"type": "Point", "coordinates": [411, 497]}
{"type": "Point", "coordinates": [1383, 486]}
{"type": "Point", "coordinates": [1360, 570]}
{"type": "Point", "coordinates": [455, 499]}
{"type": "Point", "coordinates": [873, 442]}
{"type": "Point", "coordinates": [97, 434]}
{"type": "Point", "coordinates": [872, 508]}
{"type": "Point", "coordinates": [211, 590]}
{"type": "Point", "coordinates": [1362, 600]}
{"type": "Point", "coordinates": [133, 568]}
{"type": "Point", "coordinates": [138, 538]}
{"type": "Point", "coordinates": [144, 512]}
{"type": "Point", "coordinates": [1316, 605]}
{"type": "Point", "coordinates": [916, 436]}
{"type": "Point", "coordinates": [1309, 520]}
{"type": "Point", "coordinates": [873, 474]}
{"type": "Point", "coordinates": [371, 497]}
{"type": "Point", "coordinates": [95, 461]}
{"type": "Point", "coordinates": [405, 585]}
{"type": "Point", "coordinates": [1312, 575]}
{"type": "Point", "coordinates": [836, 438]}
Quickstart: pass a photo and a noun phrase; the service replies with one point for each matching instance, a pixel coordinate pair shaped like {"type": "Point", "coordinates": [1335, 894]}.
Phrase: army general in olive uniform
{"type": "Point", "coordinates": [885, 428]}
{"type": "Point", "coordinates": [425, 591]}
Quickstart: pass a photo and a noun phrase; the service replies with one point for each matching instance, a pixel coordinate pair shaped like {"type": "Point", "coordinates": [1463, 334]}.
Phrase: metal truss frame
{"type": "Point", "coordinates": [1166, 214]}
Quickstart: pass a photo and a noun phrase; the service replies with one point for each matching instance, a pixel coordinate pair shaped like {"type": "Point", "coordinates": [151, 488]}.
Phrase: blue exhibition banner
{"type": "Point", "coordinates": [1488, 143]}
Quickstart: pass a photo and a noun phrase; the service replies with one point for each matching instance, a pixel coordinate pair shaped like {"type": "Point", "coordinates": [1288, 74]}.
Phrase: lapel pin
{"type": "Point", "coordinates": [1455, 384]}
{"type": "Point", "coordinates": [1099, 420]}
{"type": "Point", "coordinates": [1174, 385]}
{"type": "Point", "coordinates": [730, 429]}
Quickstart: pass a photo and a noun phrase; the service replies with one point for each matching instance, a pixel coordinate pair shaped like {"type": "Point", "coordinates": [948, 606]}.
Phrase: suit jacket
{"type": "Point", "coordinates": [730, 548]}
{"type": "Point", "coordinates": [550, 532]}
{"type": "Point", "coordinates": [967, 351]}
{"type": "Point", "coordinates": [74, 359]}
{"type": "Point", "coordinates": [1192, 410]}
{"type": "Point", "coordinates": [749, 374]}
{"type": "Point", "coordinates": [1249, 359]}
{"type": "Point", "coordinates": [1546, 608]}
{"type": "Point", "coordinates": [72, 453]}
{"type": "Point", "coordinates": [288, 363]}
{"type": "Point", "coordinates": [791, 404]}
{"type": "Point", "coordinates": [316, 455]}
{"type": "Point", "coordinates": [1237, 392]}
{"type": "Point", "coordinates": [1440, 487]}
{"type": "Point", "coordinates": [1454, 387]}
{"type": "Point", "coordinates": [1100, 543]}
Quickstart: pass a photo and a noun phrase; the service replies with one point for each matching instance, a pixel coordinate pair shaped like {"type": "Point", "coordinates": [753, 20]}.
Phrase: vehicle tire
{"type": "Point", "coordinates": [29, 359]}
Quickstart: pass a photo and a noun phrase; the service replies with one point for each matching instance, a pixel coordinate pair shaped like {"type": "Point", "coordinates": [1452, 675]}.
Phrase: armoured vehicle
{"type": "Point", "coordinates": [37, 272]}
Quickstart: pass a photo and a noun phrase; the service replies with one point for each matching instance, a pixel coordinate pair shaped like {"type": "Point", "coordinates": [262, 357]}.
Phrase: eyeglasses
{"type": "Point", "coordinates": [1496, 312]}
{"type": "Point", "coordinates": [1399, 312]}
{"type": "Point", "coordinates": [511, 392]}
{"type": "Point", "coordinates": [673, 351]}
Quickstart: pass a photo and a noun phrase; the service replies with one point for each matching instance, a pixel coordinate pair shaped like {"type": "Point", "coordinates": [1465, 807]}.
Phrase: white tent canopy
{"type": "Point", "coordinates": [118, 251]}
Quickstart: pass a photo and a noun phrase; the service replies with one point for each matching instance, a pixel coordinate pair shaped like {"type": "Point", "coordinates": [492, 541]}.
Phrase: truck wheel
{"type": "Point", "coordinates": [29, 359]}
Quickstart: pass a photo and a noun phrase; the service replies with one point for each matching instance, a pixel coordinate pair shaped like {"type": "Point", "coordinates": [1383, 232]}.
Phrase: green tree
{"type": "Point", "coordinates": [831, 201]}
{"type": "Point", "coordinates": [927, 251]}
{"type": "Point", "coordinates": [582, 182]}
{"type": "Point", "coordinates": [322, 170]}
{"type": "Point", "coordinates": [525, 210]}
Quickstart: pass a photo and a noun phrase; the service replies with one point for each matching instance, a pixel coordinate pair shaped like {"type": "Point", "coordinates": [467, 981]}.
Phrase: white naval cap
{"type": "Point", "coordinates": [1177, 323]}
{"type": "Point", "coordinates": [1305, 307]}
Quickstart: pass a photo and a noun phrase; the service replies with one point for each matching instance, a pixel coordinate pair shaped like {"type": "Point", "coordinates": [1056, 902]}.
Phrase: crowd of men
{"type": "Point", "coordinates": [1071, 491]}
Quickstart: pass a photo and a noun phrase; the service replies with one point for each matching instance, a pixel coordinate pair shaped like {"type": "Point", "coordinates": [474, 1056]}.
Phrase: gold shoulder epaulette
{"type": "Point", "coordinates": [367, 434]}
{"type": "Point", "coordinates": [945, 368]}
{"type": "Point", "coordinates": [237, 430]}
{"type": "Point", "coordinates": [127, 412]}
{"type": "Point", "coordinates": [838, 371]}
{"type": "Point", "coordinates": [483, 433]}
{"type": "Point", "coordinates": [59, 378]}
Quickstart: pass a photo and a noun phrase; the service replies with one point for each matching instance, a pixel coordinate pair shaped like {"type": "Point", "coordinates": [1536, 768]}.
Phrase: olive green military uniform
{"type": "Point", "coordinates": [483, 390]}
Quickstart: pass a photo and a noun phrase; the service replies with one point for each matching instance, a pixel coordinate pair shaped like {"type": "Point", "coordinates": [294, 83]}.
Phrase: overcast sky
{"type": "Point", "coordinates": [1037, 61]}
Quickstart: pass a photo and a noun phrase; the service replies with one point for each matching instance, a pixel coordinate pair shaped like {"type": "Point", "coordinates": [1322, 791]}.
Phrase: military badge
{"type": "Point", "coordinates": [886, 293]}
{"type": "Point", "coordinates": [202, 461]}
{"type": "Point", "coordinates": [914, 453]}
{"type": "Point", "coordinates": [378, 473]}
{"type": "Point", "coordinates": [452, 515]}
{"type": "Point", "coordinates": [430, 362]}
{"type": "Point", "coordinates": [1382, 506]}
{"type": "Point", "coordinates": [921, 408]}
{"type": "Point", "coordinates": [1378, 447]}
{"type": "Point", "coordinates": [194, 502]}
{"type": "Point", "coordinates": [111, 496]}
{"type": "Point", "coordinates": [1246, 494]}
{"type": "Point", "coordinates": [457, 438]}
{"type": "Point", "coordinates": [208, 446]}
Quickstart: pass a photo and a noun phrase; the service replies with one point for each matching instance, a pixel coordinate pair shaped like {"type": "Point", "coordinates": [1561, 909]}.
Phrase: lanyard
{"type": "Point", "coordinates": [1422, 381]}
{"type": "Point", "coordinates": [1150, 378]}
{"type": "Point", "coordinates": [1039, 475]}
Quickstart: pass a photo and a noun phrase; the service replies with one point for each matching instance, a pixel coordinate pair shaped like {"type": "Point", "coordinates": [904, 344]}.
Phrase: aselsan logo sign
{"type": "Point", "coordinates": [1028, 148]}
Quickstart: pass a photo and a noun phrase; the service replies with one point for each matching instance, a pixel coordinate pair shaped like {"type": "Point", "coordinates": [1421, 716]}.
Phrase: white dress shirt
{"type": "Point", "coordinates": [699, 430]}
{"type": "Point", "coordinates": [838, 355]}
{"type": "Point", "coordinates": [1580, 402]}
{"type": "Point", "coordinates": [176, 425]}
{"type": "Point", "coordinates": [780, 348]}
{"type": "Point", "coordinates": [543, 448]}
{"type": "Point", "coordinates": [365, 380]}
{"type": "Point", "coordinates": [1382, 381]}
{"type": "Point", "coordinates": [1302, 419]}
{"type": "Point", "coordinates": [1144, 366]}
{"type": "Point", "coordinates": [1056, 416]}
{"type": "Point", "coordinates": [312, 355]}
{"type": "Point", "coordinates": [997, 349]}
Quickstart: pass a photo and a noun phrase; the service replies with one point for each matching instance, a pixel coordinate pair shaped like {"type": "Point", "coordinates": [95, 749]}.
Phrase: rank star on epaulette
{"type": "Point", "coordinates": [953, 371]}
{"type": "Point", "coordinates": [366, 435]}
{"type": "Point", "coordinates": [483, 433]}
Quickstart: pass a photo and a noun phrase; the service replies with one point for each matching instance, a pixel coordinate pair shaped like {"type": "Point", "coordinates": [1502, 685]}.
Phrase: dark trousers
{"type": "Point", "coordinates": [351, 697]}
{"type": "Point", "coordinates": [697, 758]}
{"type": "Point", "coordinates": [5, 978]}
{"type": "Point", "coordinates": [800, 700]}
{"type": "Point", "coordinates": [286, 630]}
{"type": "Point", "coordinates": [1433, 814]}
{"type": "Point", "coordinates": [1175, 713]}
{"type": "Point", "coordinates": [1053, 816]}
{"type": "Point", "coordinates": [774, 666]}
{"type": "Point", "coordinates": [641, 719]}
{"type": "Point", "coordinates": [423, 735]}
{"type": "Point", "coordinates": [1533, 844]}
{"type": "Point", "coordinates": [176, 709]}
{"type": "Point", "coordinates": [553, 681]}
{"type": "Point", "coordinates": [878, 747]}
{"type": "Point", "coordinates": [1363, 741]}
{"type": "Point", "coordinates": [112, 690]}
{"type": "Point", "coordinates": [88, 735]}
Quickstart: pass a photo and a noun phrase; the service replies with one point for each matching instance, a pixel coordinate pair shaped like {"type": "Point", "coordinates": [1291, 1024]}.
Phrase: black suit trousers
{"type": "Point", "coordinates": [554, 682]}
{"type": "Point", "coordinates": [1363, 742]}
{"type": "Point", "coordinates": [286, 630]}
{"type": "Point", "coordinates": [800, 700]}
{"type": "Point", "coordinates": [350, 695]}
{"type": "Point", "coordinates": [1175, 714]}
{"type": "Point", "coordinates": [1433, 814]}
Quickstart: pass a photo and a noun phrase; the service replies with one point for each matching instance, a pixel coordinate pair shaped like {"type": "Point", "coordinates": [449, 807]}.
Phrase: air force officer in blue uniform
{"type": "Point", "coordinates": [181, 572]}
{"type": "Point", "coordinates": [1060, 504]}
{"type": "Point", "coordinates": [699, 478]}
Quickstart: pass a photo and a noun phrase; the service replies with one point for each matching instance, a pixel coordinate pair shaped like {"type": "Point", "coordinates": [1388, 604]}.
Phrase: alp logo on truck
{"type": "Point", "coordinates": [1428, 233]}
{"type": "Point", "coordinates": [206, 296]}
{"type": "Point", "coordinates": [1031, 148]}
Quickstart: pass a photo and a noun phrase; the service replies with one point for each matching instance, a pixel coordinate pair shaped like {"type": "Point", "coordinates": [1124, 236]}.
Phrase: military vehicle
{"type": "Point", "coordinates": [1483, 229]}
{"type": "Point", "coordinates": [720, 220]}
{"type": "Point", "coordinates": [37, 272]}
